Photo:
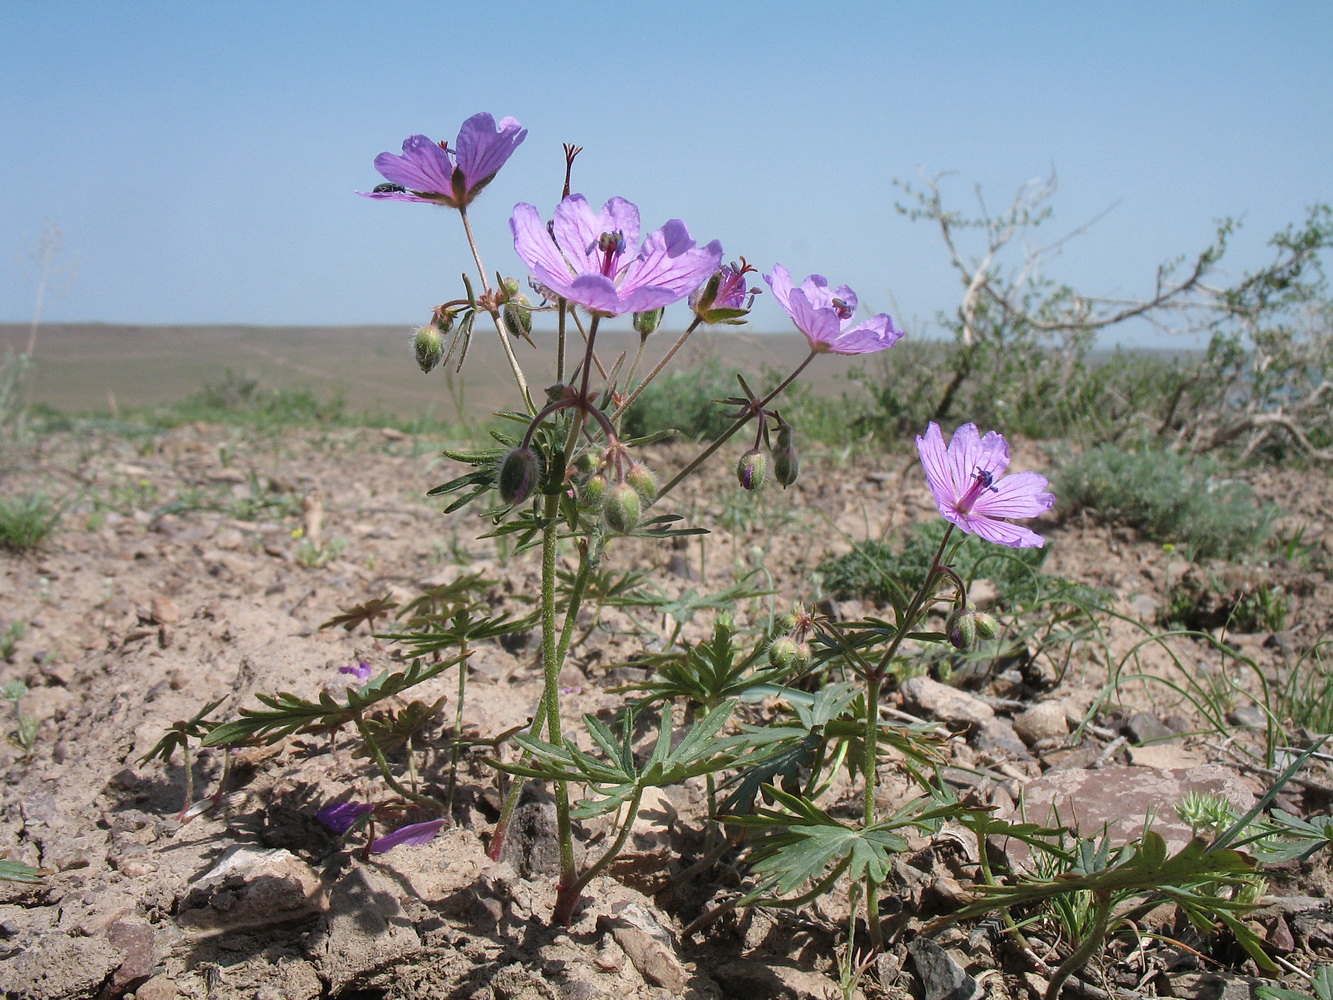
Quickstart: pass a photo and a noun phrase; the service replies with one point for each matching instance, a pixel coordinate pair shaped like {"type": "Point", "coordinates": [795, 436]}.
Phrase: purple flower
{"type": "Point", "coordinates": [431, 172]}
{"type": "Point", "coordinates": [342, 816]}
{"type": "Point", "coordinates": [361, 671]}
{"type": "Point", "coordinates": [969, 491]}
{"type": "Point", "coordinates": [825, 315]}
{"type": "Point", "coordinates": [724, 298]}
{"type": "Point", "coordinates": [414, 835]}
{"type": "Point", "coordinates": [589, 258]}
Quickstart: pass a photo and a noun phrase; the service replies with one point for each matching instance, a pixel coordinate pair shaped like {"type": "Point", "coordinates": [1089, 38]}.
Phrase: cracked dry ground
{"type": "Point", "coordinates": [175, 580]}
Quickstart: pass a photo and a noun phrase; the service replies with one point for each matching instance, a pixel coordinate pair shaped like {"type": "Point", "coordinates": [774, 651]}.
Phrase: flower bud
{"type": "Point", "coordinates": [752, 469]}
{"type": "Point", "coordinates": [586, 462]}
{"type": "Point", "coordinates": [429, 347]}
{"type": "Point", "coordinates": [518, 475]}
{"type": "Point", "coordinates": [622, 508]}
{"type": "Point", "coordinates": [786, 463]}
{"type": "Point", "coordinates": [987, 626]}
{"type": "Point", "coordinates": [643, 480]}
{"type": "Point", "coordinates": [646, 323]}
{"type": "Point", "coordinates": [961, 626]}
{"type": "Point", "coordinates": [594, 491]}
{"type": "Point", "coordinates": [518, 318]}
{"type": "Point", "coordinates": [782, 652]}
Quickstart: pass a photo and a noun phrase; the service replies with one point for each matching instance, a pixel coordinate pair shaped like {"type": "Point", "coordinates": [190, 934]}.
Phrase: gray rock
{"type": "Point", "coordinates": [1213, 986]}
{"type": "Point", "coordinates": [251, 887]}
{"type": "Point", "coordinates": [1043, 721]}
{"type": "Point", "coordinates": [772, 980]}
{"type": "Point", "coordinates": [941, 977]}
{"type": "Point", "coordinates": [924, 696]}
{"type": "Point", "coordinates": [648, 945]}
{"type": "Point", "coordinates": [1144, 727]}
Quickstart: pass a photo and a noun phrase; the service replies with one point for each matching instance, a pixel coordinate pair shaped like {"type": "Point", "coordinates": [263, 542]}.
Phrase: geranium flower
{"type": "Point", "coordinates": [342, 816]}
{"type": "Point", "coordinates": [414, 835]}
{"type": "Point", "coordinates": [825, 315]}
{"type": "Point", "coordinates": [724, 298]}
{"type": "Point", "coordinates": [971, 490]}
{"type": "Point", "coordinates": [589, 257]}
{"type": "Point", "coordinates": [433, 173]}
{"type": "Point", "coordinates": [361, 671]}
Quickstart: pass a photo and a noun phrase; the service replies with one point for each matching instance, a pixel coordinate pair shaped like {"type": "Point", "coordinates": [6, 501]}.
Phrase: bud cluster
{"type": "Point", "coordinates": [790, 646]}
{"type": "Point", "coordinates": [965, 624]}
{"type": "Point", "coordinates": [618, 485]}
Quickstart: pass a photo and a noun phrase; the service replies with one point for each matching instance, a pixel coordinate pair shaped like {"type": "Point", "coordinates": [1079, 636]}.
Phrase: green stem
{"type": "Point", "coordinates": [425, 801]}
{"type": "Point", "coordinates": [568, 896]}
{"type": "Point", "coordinates": [647, 379]}
{"type": "Point", "coordinates": [727, 434]}
{"type": "Point", "coordinates": [496, 317]}
{"type": "Point", "coordinates": [1101, 920]}
{"type": "Point", "coordinates": [551, 688]}
{"type": "Point", "coordinates": [869, 774]}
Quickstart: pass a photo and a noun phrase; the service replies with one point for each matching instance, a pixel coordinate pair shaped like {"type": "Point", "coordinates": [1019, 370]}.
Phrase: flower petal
{"type": "Point", "coordinates": [424, 166]}
{"type": "Point", "coordinates": [414, 835]}
{"type": "Point", "coordinates": [342, 816]}
{"type": "Point", "coordinates": [876, 334]}
{"type": "Point", "coordinates": [534, 245]}
{"type": "Point", "coordinates": [1021, 495]}
{"type": "Point", "coordinates": [482, 149]}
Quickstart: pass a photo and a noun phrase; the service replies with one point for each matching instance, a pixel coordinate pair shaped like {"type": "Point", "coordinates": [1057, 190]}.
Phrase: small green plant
{"type": "Point", "coordinates": [27, 522]}
{"type": "Point", "coordinates": [1306, 696]}
{"type": "Point", "coordinates": [9, 639]}
{"type": "Point", "coordinates": [1169, 497]}
{"type": "Point", "coordinates": [316, 555]}
{"type": "Point", "coordinates": [26, 736]}
{"type": "Point", "coordinates": [1321, 988]}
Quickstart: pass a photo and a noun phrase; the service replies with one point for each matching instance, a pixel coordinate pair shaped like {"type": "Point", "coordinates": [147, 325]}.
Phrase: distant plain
{"type": "Point", "coordinates": [101, 367]}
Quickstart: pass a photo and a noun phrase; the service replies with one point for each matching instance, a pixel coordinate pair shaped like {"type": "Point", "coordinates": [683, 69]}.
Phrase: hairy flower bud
{"type": "Point", "coordinates": [429, 347]}
{"type": "Point", "coordinates": [782, 652]}
{"type": "Point", "coordinates": [643, 480]}
{"type": "Point", "coordinates": [518, 475]}
{"type": "Point", "coordinates": [786, 463]}
{"type": "Point", "coordinates": [752, 469]}
{"type": "Point", "coordinates": [646, 323]}
{"type": "Point", "coordinates": [987, 626]}
{"type": "Point", "coordinates": [594, 491]}
{"type": "Point", "coordinates": [621, 508]}
{"type": "Point", "coordinates": [518, 318]}
{"type": "Point", "coordinates": [961, 627]}
{"type": "Point", "coordinates": [586, 462]}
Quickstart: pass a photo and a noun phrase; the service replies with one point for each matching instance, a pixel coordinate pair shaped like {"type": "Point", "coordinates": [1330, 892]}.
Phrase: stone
{"type": "Point", "coordinates": [165, 611]}
{"type": "Point", "coordinates": [941, 977]}
{"type": "Point", "coordinates": [366, 932]}
{"type": "Point", "coordinates": [773, 979]}
{"type": "Point", "coordinates": [1214, 986]}
{"type": "Point", "coordinates": [1046, 720]}
{"type": "Point", "coordinates": [647, 944]}
{"type": "Point", "coordinates": [1117, 800]}
{"type": "Point", "coordinates": [924, 696]}
{"type": "Point", "coordinates": [1144, 727]}
{"type": "Point", "coordinates": [251, 887]}
{"type": "Point", "coordinates": [136, 940]}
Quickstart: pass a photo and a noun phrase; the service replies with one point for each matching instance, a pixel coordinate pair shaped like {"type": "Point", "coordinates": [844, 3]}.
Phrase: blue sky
{"type": "Point", "coordinates": [200, 158]}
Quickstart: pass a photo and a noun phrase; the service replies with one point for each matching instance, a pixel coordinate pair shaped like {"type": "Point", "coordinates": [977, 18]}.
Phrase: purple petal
{"type": "Point", "coordinates": [780, 282]}
{"type": "Point", "coordinates": [534, 245]}
{"type": "Point", "coordinates": [1021, 495]}
{"type": "Point", "coordinates": [342, 816]}
{"type": "Point", "coordinates": [424, 166]}
{"type": "Point", "coordinates": [1003, 533]}
{"type": "Point", "coordinates": [876, 334]}
{"type": "Point", "coordinates": [413, 835]}
{"type": "Point", "coordinates": [483, 149]}
{"type": "Point", "coordinates": [934, 459]}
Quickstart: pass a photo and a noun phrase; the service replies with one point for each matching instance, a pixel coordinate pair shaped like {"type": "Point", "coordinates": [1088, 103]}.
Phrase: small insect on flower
{"type": "Point", "coordinates": [388, 189]}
